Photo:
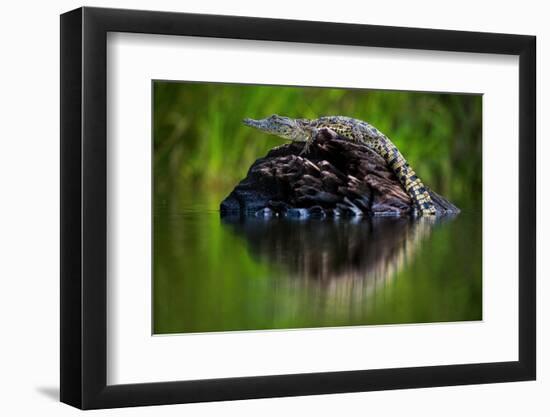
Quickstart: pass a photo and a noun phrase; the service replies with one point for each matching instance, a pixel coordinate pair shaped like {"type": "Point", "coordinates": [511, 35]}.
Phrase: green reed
{"type": "Point", "coordinates": [199, 140]}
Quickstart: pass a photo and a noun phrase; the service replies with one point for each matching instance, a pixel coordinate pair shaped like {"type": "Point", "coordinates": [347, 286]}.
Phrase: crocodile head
{"type": "Point", "coordinates": [281, 126]}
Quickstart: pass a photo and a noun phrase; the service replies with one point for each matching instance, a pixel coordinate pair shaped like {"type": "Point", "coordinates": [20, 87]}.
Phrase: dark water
{"type": "Point", "coordinates": [214, 274]}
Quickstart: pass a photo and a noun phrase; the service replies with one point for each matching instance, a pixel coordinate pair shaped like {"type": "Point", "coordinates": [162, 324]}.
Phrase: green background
{"type": "Point", "coordinates": [199, 136]}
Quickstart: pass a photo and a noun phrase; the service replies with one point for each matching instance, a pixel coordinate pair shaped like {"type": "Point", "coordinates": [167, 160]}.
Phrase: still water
{"type": "Point", "coordinates": [222, 274]}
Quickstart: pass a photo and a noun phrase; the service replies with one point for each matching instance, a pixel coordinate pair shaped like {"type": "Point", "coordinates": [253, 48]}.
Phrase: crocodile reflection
{"type": "Point", "coordinates": [366, 252]}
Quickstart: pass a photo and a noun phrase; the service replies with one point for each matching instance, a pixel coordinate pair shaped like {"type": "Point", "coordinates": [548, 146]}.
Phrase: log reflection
{"type": "Point", "coordinates": [346, 258]}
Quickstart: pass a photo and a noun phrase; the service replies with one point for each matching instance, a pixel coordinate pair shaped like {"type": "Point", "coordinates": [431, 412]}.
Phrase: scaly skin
{"type": "Point", "coordinates": [358, 131]}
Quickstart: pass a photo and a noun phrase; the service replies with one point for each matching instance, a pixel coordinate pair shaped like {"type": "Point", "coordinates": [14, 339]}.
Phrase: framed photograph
{"type": "Point", "coordinates": [257, 208]}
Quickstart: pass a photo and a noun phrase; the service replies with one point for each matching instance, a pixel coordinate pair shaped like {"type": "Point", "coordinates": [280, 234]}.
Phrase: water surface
{"type": "Point", "coordinates": [223, 274]}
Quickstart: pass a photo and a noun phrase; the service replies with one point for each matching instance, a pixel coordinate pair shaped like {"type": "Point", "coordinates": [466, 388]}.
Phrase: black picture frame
{"type": "Point", "coordinates": [84, 207]}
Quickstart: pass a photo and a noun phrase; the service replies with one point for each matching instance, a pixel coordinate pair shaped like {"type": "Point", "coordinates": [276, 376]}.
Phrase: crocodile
{"type": "Point", "coordinates": [357, 131]}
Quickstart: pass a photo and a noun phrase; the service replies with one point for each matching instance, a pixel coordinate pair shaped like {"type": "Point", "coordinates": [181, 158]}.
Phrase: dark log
{"type": "Point", "coordinates": [335, 178]}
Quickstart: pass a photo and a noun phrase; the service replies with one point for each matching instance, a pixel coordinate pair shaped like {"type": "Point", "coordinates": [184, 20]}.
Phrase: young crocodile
{"type": "Point", "coordinates": [305, 130]}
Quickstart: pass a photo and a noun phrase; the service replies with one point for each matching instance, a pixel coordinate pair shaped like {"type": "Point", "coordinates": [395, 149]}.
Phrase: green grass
{"type": "Point", "coordinates": [200, 141]}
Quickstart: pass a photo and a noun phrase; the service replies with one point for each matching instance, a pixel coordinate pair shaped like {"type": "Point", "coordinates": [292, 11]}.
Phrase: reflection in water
{"type": "Point", "coordinates": [347, 258]}
{"type": "Point", "coordinates": [213, 274]}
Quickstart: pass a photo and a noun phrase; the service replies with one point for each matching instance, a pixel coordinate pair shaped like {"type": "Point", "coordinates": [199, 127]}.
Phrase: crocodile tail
{"type": "Point", "coordinates": [412, 184]}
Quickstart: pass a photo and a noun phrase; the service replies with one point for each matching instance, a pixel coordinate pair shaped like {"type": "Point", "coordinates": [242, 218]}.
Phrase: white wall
{"type": "Point", "coordinates": [29, 177]}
